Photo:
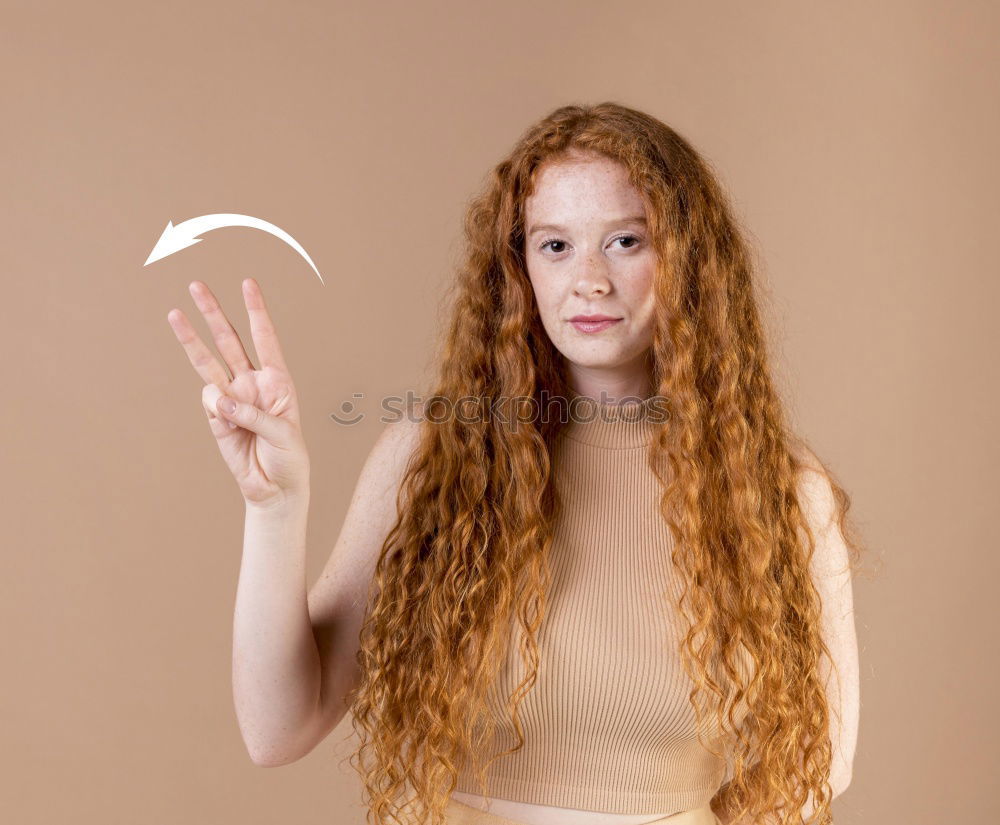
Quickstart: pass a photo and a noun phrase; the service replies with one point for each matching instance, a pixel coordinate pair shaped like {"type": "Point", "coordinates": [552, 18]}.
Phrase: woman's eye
{"type": "Point", "coordinates": [552, 241]}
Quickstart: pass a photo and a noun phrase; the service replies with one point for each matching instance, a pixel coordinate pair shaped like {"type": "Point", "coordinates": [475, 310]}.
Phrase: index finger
{"type": "Point", "coordinates": [265, 337]}
{"type": "Point", "coordinates": [201, 358]}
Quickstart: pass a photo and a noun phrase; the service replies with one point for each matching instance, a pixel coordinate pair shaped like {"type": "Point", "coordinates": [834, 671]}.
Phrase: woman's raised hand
{"type": "Point", "coordinates": [261, 440]}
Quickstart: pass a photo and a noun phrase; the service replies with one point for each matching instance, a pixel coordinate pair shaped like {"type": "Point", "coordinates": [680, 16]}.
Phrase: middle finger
{"type": "Point", "coordinates": [226, 340]}
{"type": "Point", "coordinates": [201, 358]}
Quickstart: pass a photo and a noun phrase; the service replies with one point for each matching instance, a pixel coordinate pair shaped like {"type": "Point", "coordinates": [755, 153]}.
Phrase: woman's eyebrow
{"type": "Point", "coordinates": [553, 227]}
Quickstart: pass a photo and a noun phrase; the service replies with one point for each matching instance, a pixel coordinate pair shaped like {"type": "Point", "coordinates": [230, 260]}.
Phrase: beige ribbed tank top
{"type": "Point", "coordinates": [608, 725]}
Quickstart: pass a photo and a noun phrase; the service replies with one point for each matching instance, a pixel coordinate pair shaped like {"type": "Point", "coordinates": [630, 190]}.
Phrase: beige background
{"type": "Point", "coordinates": [858, 140]}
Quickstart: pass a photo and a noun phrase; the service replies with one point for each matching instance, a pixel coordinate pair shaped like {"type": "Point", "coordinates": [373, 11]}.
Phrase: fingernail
{"type": "Point", "coordinates": [227, 405]}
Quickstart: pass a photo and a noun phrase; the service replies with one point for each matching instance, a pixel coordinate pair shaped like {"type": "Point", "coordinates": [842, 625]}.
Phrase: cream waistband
{"type": "Point", "coordinates": [458, 813]}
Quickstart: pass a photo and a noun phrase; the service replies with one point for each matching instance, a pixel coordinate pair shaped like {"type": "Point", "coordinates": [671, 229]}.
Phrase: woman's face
{"type": "Point", "coordinates": [588, 253]}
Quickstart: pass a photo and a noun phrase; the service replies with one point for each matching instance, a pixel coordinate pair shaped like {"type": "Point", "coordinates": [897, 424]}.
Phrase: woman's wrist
{"type": "Point", "coordinates": [288, 503]}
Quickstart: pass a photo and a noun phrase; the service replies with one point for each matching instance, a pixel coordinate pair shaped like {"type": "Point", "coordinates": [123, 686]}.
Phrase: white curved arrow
{"type": "Point", "coordinates": [185, 234]}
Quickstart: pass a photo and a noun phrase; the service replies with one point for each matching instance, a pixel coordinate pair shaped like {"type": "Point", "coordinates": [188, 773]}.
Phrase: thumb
{"type": "Point", "coordinates": [252, 418]}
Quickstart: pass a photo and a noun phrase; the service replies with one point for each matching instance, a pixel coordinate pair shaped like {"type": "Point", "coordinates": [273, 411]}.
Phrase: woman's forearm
{"type": "Point", "coordinates": [276, 662]}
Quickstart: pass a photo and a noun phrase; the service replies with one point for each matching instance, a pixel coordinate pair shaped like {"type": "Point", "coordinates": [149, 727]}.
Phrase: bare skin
{"type": "Point", "coordinates": [271, 464]}
{"type": "Point", "coordinates": [293, 651]}
{"type": "Point", "coordinates": [599, 261]}
{"type": "Point", "coordinates": [589, 272]}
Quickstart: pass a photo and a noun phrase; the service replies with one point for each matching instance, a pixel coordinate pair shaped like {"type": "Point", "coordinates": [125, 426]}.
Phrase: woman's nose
{"type": "Point", "coordinates": [593, 276]}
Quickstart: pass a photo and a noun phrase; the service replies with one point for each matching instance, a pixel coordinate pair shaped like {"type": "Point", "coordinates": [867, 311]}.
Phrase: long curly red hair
{"type": "Point", "coordinates": [468, 553]}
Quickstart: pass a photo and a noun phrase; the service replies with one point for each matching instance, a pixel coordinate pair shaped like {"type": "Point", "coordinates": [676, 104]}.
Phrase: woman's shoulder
{"type": "Point", "coordinates": [804, 458]}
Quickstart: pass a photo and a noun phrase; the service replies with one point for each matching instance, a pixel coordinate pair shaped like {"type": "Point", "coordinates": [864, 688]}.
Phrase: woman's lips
{"type": "Point", "coordinates": [594, 326]}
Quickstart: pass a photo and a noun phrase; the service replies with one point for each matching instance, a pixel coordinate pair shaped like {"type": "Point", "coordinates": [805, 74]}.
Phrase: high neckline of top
{"type": "Point", "coordinates": [619, 424]}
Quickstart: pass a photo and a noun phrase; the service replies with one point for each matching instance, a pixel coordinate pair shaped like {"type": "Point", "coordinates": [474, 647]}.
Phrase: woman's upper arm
{"type": "Point", "coordinates": [337, 600]}
{"type": "Point", "coordinates": [831, 571]}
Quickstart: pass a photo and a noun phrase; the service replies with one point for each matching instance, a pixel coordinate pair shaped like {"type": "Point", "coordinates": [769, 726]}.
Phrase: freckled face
{"type": "Point", "coordinates": [588, 253]}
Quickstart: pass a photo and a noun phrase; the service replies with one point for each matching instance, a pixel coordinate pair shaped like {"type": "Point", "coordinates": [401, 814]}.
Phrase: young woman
{"type": "Point", "coordinates": [595, 577]}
